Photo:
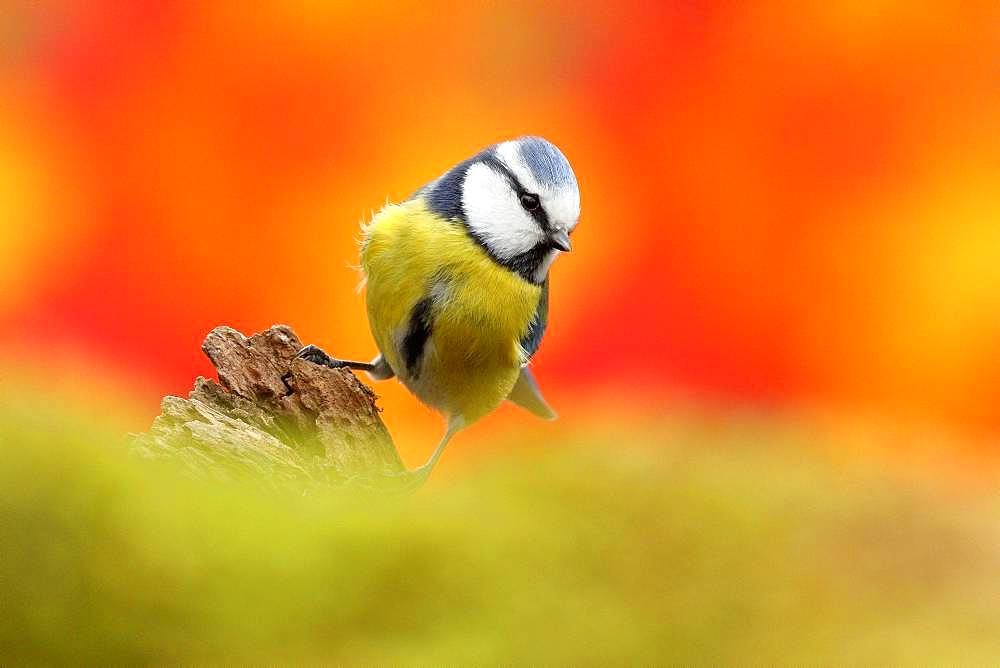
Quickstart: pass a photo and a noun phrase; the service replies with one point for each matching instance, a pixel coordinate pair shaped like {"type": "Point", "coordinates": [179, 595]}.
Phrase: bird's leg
{"type": "Point", "coordinates": [316, 355]}
{"type": "Point", "coordinates": [419, 475]}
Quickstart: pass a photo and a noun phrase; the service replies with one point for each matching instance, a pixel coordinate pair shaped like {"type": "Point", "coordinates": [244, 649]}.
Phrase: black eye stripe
{"type": "Point", "coordinates": [497, 165]}
{"type": "Point", "coordinates": [538, 213]}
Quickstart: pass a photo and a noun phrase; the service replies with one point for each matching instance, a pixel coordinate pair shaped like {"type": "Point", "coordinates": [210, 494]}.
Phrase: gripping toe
{"type": "Point", "coordinates": [316, 355]}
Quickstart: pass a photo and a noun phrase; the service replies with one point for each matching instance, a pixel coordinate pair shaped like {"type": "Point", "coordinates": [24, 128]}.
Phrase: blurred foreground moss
{"type": "Point", "coordinates": [688, 548]}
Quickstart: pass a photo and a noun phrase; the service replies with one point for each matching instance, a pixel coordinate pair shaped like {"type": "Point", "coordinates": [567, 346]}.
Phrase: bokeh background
{"type": "Point", "coordinates": [784, 204]}
{"type": "Point", "coordinates": [774, 347]}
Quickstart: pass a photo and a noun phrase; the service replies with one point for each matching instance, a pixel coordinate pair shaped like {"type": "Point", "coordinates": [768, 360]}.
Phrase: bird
{"type": "Point", "coordinates": [457, 283]}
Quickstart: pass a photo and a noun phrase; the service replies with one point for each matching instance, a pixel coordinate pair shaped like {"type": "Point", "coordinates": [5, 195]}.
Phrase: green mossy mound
{"type": "Point", "coordinates": [693, 549]}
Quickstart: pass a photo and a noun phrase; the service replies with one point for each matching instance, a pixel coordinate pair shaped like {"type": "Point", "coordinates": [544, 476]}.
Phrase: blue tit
{"type": "Point", "coordinates": [457, 282]}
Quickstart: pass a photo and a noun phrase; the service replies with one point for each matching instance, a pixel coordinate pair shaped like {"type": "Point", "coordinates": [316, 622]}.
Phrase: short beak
{"type": "Point", "coordinates": [559, 239]}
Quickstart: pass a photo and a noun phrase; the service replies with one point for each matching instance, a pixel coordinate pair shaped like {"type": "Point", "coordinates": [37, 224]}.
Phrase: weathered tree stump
{"type": "Point", "coordinates": [273, 414]}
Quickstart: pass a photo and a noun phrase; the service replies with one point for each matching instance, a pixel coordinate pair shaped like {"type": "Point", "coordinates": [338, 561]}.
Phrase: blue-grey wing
{"type": "Point", "coordinates": [533, 339]}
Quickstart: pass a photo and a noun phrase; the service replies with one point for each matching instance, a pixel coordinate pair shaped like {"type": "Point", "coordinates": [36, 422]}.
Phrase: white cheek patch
{"type": "Point", "coordinates": [495, 215]}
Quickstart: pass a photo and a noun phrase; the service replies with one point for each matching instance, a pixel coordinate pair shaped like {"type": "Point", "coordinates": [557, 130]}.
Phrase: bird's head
{"type": "Point", "coordinates": [518, 199]}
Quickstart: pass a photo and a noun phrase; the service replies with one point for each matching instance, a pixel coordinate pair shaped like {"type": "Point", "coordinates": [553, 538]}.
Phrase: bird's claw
{"type": "Point", "coordinates": [407, 481]}
{"type": "Point", "coordinates": [317, 355]}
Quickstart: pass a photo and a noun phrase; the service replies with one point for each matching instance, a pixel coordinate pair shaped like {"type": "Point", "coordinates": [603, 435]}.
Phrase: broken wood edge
{"type": "Point", "coordinates": [275, 418]}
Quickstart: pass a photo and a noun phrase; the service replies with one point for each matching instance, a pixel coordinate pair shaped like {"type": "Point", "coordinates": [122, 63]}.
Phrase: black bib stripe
{"type": "Point", "coordinates": [416, 336]}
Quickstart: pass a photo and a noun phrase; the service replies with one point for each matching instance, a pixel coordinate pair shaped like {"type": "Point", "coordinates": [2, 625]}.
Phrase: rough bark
{"type": "Point", "coordinates": [273, 414]}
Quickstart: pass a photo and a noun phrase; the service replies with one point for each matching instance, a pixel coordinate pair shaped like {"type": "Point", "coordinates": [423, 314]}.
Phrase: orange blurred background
{"type": "Point", "coordinates": [784, 204]}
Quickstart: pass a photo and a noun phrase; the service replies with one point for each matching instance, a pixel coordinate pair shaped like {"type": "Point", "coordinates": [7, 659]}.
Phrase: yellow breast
{"type": "Point", "coordinates": [480, 310]}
